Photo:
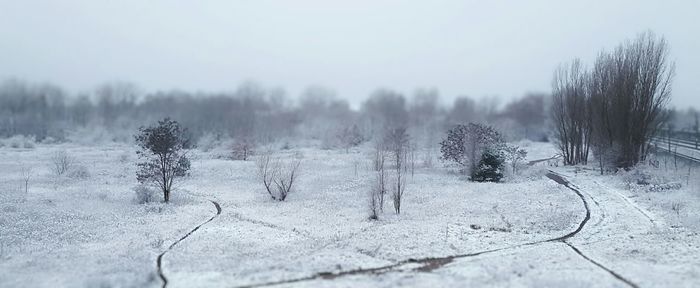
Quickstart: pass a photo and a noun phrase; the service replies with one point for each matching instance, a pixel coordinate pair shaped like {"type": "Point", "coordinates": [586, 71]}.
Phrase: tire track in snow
{"type": "Point", "coordinates": [561, 180]}
{"type": "Point", "coordinates": [645, 213]}
{"type": "Point", "coordinates": [613, 273]}
{"type": "Point", "coordinates": [429, 264]}
{"type": "Point", "coordinates": [159, 260]}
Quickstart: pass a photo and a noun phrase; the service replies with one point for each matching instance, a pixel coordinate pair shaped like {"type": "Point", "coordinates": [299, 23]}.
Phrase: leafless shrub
{"type": "Point", "coordinates": [277, 177]}
{"type": "Point", "coordinates": [61, 162]}
{"type": "Point", "coordinates": [379, 186]}
{"type": "Point", "coordinates": [287, 175]}
{"type": "Point", "coordinates": [266, 172]}
{"type": "Point", "coordinates": [397, 190]}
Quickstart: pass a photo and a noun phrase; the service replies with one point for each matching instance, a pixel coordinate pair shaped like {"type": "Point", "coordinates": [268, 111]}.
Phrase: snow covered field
{"type": "Point", "coordinates": [86, 229]}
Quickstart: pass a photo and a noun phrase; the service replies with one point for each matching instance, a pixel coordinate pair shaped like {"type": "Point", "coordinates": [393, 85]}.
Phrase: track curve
{"type": "Point", "coordinates": [431, 263]}
{"type": "Point", "coordinates": [159, 260]}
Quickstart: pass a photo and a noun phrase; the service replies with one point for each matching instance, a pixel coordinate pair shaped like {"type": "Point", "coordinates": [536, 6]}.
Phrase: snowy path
{"type": "Point", "coordinates": [561, 180]}
{"type": "Point", "coordinates": [159, 261]}
{"type": "Point", "coordinates": [430, 264]}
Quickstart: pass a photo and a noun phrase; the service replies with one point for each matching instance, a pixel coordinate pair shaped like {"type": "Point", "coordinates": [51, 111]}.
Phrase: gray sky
{"type": "Point", "coordinates": [474, 48]}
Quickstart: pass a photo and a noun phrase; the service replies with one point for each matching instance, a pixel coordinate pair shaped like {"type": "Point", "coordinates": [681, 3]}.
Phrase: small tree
{"type": "Point", "coordinates": [373, 203]}
{"type": "Point", "coordinates": [376, 195]}
{"type": "Point", "coordinates": [379, 162]}
{"type": "Point", "coordinates": [26, 173]}
{"type": "Point", "coordinates": [465, 144]}
{"type": "Point", "coordinates": [162, 155]}
{"type": "Point", "coordinates": [398, 142]}
{"type": "Point", "coordinates": [515, 155]}
{"type": "Point", "coordinates": [490, 168]}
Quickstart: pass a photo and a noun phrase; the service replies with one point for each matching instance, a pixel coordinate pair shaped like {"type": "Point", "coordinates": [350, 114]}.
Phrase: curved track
{"type": "Point", "coordinates": [561, 180]}
{"type": "Point", "coordinates": [159, 261]}
{"type": "Point", "coordinates": [431, 263]}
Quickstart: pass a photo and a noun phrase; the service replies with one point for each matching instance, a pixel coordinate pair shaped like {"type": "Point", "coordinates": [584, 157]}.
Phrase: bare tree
{"type": "Point", "coordinates": [26, 173]}
{"type": "Point", "coordinates": [398, 190]}
{"type": "Point", "coordinates": [380, 169]}
{"type": "Point", "coordinates": [515, 155]}
{"type": "Point", "coordinates": [398, 142]}
{"type": "Point", "coordinates": [571, 113]}
{"type": "Point", "coordinates": [630, 88]}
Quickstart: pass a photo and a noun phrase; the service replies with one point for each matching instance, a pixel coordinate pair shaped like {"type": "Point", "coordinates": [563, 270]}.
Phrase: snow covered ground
{"type": "Point", "coordinates": [86, 230]}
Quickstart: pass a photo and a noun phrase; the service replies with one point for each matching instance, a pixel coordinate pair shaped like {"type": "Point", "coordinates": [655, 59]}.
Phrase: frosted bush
{"type": "Point", "coordinates": [144, 194]}
{"type": "Point", "coordinates": [637, 176]}
{"type": "Point", "coordinates": [79, 172]}
{"type": "Point", "coordinates": [650, 179]}
{"type": "Point", "coordinates": [21, 141]}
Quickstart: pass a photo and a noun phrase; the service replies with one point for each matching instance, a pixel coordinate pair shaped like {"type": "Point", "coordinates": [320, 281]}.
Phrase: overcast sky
{"type": "Point", "coordinates": [474, 48]}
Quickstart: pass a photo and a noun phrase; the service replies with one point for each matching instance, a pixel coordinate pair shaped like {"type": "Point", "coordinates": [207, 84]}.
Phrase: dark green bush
{"type": "Point", "coordinates": [490, 168]}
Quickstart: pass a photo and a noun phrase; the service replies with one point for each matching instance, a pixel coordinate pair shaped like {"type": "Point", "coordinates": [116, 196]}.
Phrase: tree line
{"type": "Point", "coordinates": [251, 111]}
{"type": "Point", "coordinates": [614, 108]}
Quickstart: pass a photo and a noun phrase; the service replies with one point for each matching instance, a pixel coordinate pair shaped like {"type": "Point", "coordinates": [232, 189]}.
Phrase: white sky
{"type": "Point", "coordinates": [474, 48]}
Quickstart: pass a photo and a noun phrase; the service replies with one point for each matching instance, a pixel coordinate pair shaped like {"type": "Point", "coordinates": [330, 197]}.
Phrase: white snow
{"type": "Point", "coordinates": [90, 232]}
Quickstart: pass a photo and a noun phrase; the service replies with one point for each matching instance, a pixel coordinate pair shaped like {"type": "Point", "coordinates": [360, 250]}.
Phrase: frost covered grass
{"type": "Point", "coordinates": [82, 231]}
{"type": "Point", "coordinates": [640, 222]}
{"type": "Point", "coordinates": [104, 230]}
{"type": "Point", "coordinates": [670, 188]}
